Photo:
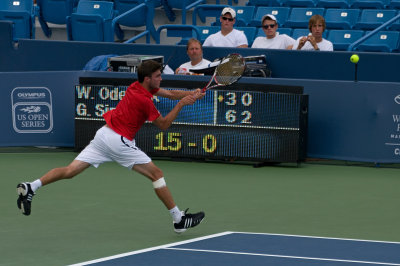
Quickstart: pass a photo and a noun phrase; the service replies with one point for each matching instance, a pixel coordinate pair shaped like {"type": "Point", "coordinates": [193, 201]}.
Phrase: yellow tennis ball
{"type": "Point", "coordinates": [354, 58]}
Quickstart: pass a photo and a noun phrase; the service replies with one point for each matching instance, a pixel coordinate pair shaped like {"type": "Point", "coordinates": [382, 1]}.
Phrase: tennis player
{"type": "Point", "coordinates": [115, 142]}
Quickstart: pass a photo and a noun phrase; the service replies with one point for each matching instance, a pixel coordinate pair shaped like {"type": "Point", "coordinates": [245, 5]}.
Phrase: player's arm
{"type": "Point", "coordinates": [179, 94]}
{"type": "Point", "coordinates": [164, 122]}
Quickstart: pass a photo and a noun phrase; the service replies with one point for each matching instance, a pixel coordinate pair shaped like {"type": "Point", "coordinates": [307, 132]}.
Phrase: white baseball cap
{"type": "Point", "coordinates": [228, 10]}
{"type": "Point", "coordinates": [272, 17]}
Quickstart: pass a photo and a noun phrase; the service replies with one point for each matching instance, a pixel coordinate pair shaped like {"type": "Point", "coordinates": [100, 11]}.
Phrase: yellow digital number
{"type": "Point", "coordinates": [209, 143]}
{"type": "Point", "coordinates": [174, 138]}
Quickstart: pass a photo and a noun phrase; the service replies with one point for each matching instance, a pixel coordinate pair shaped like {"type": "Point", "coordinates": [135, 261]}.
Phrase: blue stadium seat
{"type": "Point", "coordinates": [372, 18]}
{"type": "Point", "coordinates": [299, 3]}
{"type": "Point", "coordinates": [258, 3]}
{"type": "Point", "coordinates": [378, 4]}
{"type": "Point", "coordinates": [341, 39]}
{"type": "Point", "coordinates": [184, 6]}
{"type": "Point", "coordinates": [250, 33]}
{"type": "Point", "coordinates": [206, 31]}
{"type": "Point", "coordinates": [22, 13]}
{"type": "Point", "coordinates": [281, 14]}
{"type": "Point", "coordinates": [185, 32]}
{"type": "Point", "coordinates": [299, 17]}
{"type": "Point", "coordinates": [394, 4]}
{"type": "Point", "coordinates": [135, 13]}
{"type": "Point", "coordinates": [55, 12]}
{"type": "Point", "coordinates": [207, 11]}
{"type": "Point", "coordinates": [333, 3]}
{"type": "Point", "coordinates": [296, 33]}
{"type": "Point", "coordinates": [92, 21]}
{"type": "Point", "coordinates": [396, 24]}
{"type": "Point", "coordinates": [244, 15]}
{"type": "Point", "coordinates": [383, 41]}
{"type": "Point", "coordinates": [341, 18]}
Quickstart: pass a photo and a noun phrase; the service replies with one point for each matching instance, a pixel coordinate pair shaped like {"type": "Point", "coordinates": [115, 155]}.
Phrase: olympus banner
{"type": "Point", "coordinates": [32, 110]}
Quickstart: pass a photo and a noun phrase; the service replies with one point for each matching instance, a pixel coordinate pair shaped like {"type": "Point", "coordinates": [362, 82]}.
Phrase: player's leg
{"type": "Point", "coordinates": [182, 220]}
{"type": "Point", "coordinates": [26, 190]}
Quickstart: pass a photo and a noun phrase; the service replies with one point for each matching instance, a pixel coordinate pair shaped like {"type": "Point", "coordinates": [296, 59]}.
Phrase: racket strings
{"type": "Point", "coordinates": [230, 70]}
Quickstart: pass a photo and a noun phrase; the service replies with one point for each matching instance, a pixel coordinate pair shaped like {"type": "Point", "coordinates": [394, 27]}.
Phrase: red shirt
{"type": "Point", "coordinates": [135, 108]}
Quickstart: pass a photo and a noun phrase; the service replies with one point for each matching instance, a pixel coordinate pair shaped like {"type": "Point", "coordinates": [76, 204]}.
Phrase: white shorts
{"type": "Point", "coordinates": [109, 146]}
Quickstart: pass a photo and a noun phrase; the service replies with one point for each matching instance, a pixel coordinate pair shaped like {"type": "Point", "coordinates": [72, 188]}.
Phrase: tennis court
{"type": "Point", "coordinates": [110, 210]}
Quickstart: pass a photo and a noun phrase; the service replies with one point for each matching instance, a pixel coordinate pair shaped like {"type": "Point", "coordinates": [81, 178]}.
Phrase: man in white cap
{"type": "Point", "coordinates": [227, 36]}
{"type": "Point", "coordinates": [272, 39]}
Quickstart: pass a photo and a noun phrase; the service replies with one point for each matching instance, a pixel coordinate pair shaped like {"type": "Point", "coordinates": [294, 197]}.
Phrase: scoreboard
{"type": "Point", "coordinates": [241, 122]}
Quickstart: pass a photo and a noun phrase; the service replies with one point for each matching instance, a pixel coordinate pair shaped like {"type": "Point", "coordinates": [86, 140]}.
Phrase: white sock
{"type": "Point", "coordinates": [36, 184]}
{"type": "Point", "coordinates": [176, 214]}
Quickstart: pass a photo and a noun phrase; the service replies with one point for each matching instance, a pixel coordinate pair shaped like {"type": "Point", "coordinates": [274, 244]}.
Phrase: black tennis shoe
{"type": "Point", "coordinates": [25, 195]}
{"type": "Point", "coordinates": [188, 220]}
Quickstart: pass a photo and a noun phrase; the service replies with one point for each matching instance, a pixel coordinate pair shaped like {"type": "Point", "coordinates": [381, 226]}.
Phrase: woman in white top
{"type": "Point", "coordinates": [272, 39]}
{"type": "Point", "coordinates": [314, 40]}
{"type": "Point", "coordinates": [195, 53]}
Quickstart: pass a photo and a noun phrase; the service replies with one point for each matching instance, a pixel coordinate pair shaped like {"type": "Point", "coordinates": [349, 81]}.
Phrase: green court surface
{"type": "Point", "coordinates": [111, 210]}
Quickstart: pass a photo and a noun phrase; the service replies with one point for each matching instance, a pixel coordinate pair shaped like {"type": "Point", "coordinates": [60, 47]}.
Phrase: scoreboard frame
{"type": "Point", "coordinates": [217, 141]}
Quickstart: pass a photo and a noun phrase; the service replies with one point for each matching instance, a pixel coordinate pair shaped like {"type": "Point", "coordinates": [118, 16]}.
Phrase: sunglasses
{"type": "Point", "coordinates": [225, 18]}
{"type": "Point", "coordinates": [269, 26]}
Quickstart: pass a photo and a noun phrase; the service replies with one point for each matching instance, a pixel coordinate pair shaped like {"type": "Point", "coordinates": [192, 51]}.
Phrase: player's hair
{"type": "Point", "coordinates": [193, 40]}
{"type": "Point", "coordinates": [314, 20]}
{"type": "Point", "coordinates": [147, 68]}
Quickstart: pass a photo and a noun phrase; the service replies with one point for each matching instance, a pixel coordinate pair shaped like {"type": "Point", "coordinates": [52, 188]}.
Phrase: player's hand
{"type": "Point", "coordinates": [198, 94]}
{"type": "Point", "coordinates": [188, 100]}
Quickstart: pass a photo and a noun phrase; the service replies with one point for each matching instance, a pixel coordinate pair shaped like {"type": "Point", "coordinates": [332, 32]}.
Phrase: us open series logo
{"type": "Point", "coordinates": [32, 110]}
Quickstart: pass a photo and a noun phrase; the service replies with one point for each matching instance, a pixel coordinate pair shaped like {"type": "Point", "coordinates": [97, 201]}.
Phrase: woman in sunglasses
{"type": "Point", "coordinates": [227, 36]}
{"type": "Point", "coordinates": [272, 39]}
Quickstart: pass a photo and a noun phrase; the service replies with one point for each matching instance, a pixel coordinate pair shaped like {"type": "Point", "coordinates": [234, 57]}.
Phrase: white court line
{"type": "Point", "coordinates": [319, 237]}
{"type": "Point", "coordinates": [283, 256]}
{"type": "Point", "coordinates": [168, 246]}
{"type": "Point", "coordinates": [150, 249]}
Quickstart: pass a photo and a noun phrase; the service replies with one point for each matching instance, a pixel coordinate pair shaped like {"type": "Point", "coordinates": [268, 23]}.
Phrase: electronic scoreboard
{"type": "Point", "coordinates": [250, 122]}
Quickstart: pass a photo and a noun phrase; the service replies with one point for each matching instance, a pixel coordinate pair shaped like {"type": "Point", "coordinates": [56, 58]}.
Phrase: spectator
{"type": "Point", "coordinates": [273, 39]}
{"type": "Point", "coordinates": [227, 36]}
{"type": "Point", "coordinates": [195, 52]}
{"type": "Point", "coordinates": [314, 40]}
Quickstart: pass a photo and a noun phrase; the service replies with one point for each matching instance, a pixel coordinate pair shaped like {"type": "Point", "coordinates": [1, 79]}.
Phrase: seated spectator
{"type": "Point", "coordinates": [227, 36]}
{"type": "Point", "coordinates": [314, 40]}
{"type": "Point", "coordinates": [272, 39]}
{"type": "Point", "coordinates": [195, 53]}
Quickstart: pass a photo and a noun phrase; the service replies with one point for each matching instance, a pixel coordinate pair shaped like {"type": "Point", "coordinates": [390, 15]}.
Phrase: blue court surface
{"type": "Point", "coordinates": [239, 248]}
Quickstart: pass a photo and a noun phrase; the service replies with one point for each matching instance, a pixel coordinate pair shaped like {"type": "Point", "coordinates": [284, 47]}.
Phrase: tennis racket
{"type": "Point", "coordinates": [229, 70]}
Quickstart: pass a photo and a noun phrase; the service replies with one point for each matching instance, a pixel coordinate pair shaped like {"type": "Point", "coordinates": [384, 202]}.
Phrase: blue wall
{"type": "Point", "coordinates": [348, 120]}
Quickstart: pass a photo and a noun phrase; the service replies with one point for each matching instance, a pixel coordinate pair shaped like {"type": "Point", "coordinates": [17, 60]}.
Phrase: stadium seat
{"type": "Point", "coordinates": [135, 13]}
{"type": "Point", "coordinates": [207, 11]}
{"type": "Point", "coordinates": [299, 17]}
{"type": "Point", "coordinates": [341, 18]}
{"type": "Point", "coordinates": [333, 3]}
{"type": "Point", "coordinates": [341, 39]}
{"type": "Point", "coordinates": [299, 3]}
{"type": "Point", "coordinates": [378, 4]}
{"type": "Point", "coordinates": [372, 18]}
{"type": "Point", "coordinates": [22, 13]}
{"type": "Point", "coordinates": [206, 31]}
{"type": "Point", "coordinates": [287, 31]}
{"type": "Point", "coordinates": [55, 12]}
{"type": "Point", "coordinates": [244, 15]}
{"type": "Point", "coordinates": [383, 41]}
{"type": "Point", "coordinates": [92, 21]}
{"type": "Point", "coordinates": [258, 3]}
{"type": "Point", "coordinates": [184, 6]}
{"type": "Point", "coordinates": [281, 14]}
{"type": "Point", "coordinates": [185, 32]}
{"type": "Point", "coordinates": [296, 33]}
{"type": "Point", "coordinates": [250, 33]}
{"type": "Point", "coordinates": [396, 24]}
{"type": "Point", "coordinates": [394, 4]}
